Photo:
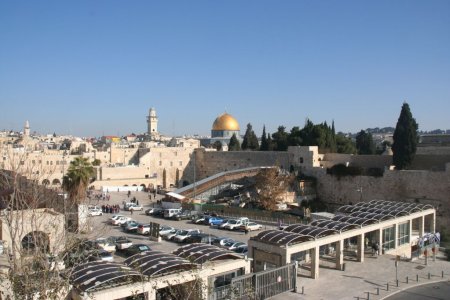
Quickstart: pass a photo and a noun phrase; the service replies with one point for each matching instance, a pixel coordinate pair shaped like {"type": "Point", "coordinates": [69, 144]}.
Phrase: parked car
{"type": "Point", "coordinates": [199, 219]}
{"type": "Point", "coordinates": [163, 229]}
{"type": "Point", "coordinates": [184, 234]}
{"type": "Point", "coordinates": [233, 224]}
{"type": "Point", "coordinates": [171, 235]}
{"type": "Point", "coordinates": [224, 223]}
{"type": "Point", "coordinates": [131, 226]}
{"type": "Point", "coordinates": [170, 212]}
{"type": "Point", "coordinates": [115, 217]}
{"type": "Point", "coordinates": [143, 229]}
{"type": "Point", "coordinates": [231, 245]}
{"type": "Point", "coordinates": [242, 250]}
{"type": "Point", "coordinates": [215, 221]}
{"type": "Point", "coordinates": [221, 241]}
{"type": "Point", "coordinates": [121, 220]}
{"type": "Point", "coordinates": [183, 215]}
{"type": "Point", "coordinates": [250, 226]}
{"type": "Point", "coordinates": [201, 238]}
{"type": "Point", "coordinates": [167, 235]}
{"type": "Point", "coordinates": [152, 210]}
{"type": "Point", "coordinates": [135, 249]}
{"type": "Point", "coordinates": [101, 255]}
{"type": "Point", "coordinates": [94, 212]}
{"type": "Point", "coordinates": [134, 207]}
{"type": "Point", "coordinates": [121, 242]}
{"type": "Point", "coordinates": [105, 244]}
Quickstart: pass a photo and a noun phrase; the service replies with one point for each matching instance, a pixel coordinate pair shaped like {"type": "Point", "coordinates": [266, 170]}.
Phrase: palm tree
{"type": "Point", "coordinates": [77, 179]}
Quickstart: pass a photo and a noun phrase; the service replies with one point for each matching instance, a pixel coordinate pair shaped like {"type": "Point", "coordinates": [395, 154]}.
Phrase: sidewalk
{"type": "Point", "coordinates": [359, 279]}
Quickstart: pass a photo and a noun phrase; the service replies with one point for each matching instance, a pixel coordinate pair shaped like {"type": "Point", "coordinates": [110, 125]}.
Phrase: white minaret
{"type": "Point", "coordinates": [152, 121]}
{"type": "Point", "coordinates": [26, 129]}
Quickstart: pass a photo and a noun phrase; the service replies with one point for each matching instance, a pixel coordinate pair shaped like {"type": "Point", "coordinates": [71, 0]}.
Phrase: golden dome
{"type": "Point", "coordinates": [225, 122]}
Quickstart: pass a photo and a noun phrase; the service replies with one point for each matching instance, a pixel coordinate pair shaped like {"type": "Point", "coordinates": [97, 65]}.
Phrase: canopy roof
{"type": "Point", "coordinates": [201, 253]}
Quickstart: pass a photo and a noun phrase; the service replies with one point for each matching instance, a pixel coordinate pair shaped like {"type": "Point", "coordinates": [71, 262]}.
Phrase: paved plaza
{"type": "Point", "coordinates": [374, 273]}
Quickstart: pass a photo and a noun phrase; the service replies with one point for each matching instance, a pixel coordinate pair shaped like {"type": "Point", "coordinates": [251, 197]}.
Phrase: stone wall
{"type": "Point", "coordinates": [411, 186]}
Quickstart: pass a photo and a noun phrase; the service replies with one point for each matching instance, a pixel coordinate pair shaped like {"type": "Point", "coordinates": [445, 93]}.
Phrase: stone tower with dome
{"type": "Point", "coordinates": [223, 129]}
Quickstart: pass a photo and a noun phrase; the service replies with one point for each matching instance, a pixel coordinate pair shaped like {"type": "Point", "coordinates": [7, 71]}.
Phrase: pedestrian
{"type": "Point", "coordinates": [137, 202]}
{"type": "Point", "coordinates": [131, 211]}
{"type": "Point", "coordinates": [128, 194]}
{"type": "Point", "coordinates": [366, 242]}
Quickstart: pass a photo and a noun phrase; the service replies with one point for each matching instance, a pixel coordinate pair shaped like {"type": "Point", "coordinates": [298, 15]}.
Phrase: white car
{"type": "Point", "coordinates": [121, 220]}
{"type": "Point", "coordinates": [95, 212]}
{"type": "Point", "coordinates": [184, 234]}
{"type": "Point", "coordinates": [134, 207]}
{"type": "Point", "coordinates": [233, 224]}
{"type": "Point", "coordinates": [251, 226]}
{"type": "Point", "coordinates": [115, 217]}
{"type": "Point", "coordinates": [166, 229]}
{"type": "Point", "coordinates": [169, 236]}
{"type": "Point", "coordinates": [224, 223]}
{"type": "Point", "coordinates": [105, 244]}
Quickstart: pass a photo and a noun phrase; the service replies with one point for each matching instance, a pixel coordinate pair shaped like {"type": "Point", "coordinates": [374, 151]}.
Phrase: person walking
{"type": "Point", "coordinates": [131, 211]}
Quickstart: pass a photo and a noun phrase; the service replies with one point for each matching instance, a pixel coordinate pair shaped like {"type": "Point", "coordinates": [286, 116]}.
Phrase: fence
{"type": "Point", "coordinates": [261, 285]}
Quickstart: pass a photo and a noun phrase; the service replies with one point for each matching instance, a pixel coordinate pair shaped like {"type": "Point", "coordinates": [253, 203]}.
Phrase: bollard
{"type": "Point", "coordinates": [303, 290]}
{"type": "Point", "coordinates": [368, 295]}
{"type": "Point", "coordinates": [442, 274]}
{"type": "Point", "coordinates": [429, 275]}
{"type": "Point", "coordinates": [397, 282]}
{"type": "Point", "coordinates": [378, 291]}
{"type": "Point", "coordinates": [417, 277]}
{"type": "Point", "coordinates": [407, 279]}
{"type": "Point", "coordinates": [387, 286]}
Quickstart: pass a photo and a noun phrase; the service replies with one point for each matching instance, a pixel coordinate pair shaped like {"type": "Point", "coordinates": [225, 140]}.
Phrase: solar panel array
{"type": "Point", "coordinates": [350, 217]}
{"type": "Point", "coordinates": [96, 275]}
{"type": "Point", "coordinates": [200, 253]}
{"type": "Point", "coordinates": [154, 263]}
{"type": "Point", "coordinates": [282, 237]}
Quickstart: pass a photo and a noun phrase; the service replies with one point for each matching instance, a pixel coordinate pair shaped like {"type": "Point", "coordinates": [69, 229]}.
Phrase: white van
{"type": "Point", "coordinates": [170, 212]}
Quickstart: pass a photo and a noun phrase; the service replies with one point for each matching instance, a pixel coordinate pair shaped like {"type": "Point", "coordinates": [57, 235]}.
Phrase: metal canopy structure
{"type": "Point", "coordinates": [201, 253]}
{"type": "Point", "coordinates": [96, 275]}
{"type": "Point", "coordinates": [395, 209]}
{"type": "Point", "coordinates": [279, 237]}
{"type": "Point", "coordinates": [335, 224]}
{"type": "Point", "coordinates": [313, 231]}
{"type": "Point", "coordinates": [156, 263]}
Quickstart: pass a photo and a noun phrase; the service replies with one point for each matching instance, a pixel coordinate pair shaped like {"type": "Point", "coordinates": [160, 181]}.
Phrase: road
{"type": "Point", "coordinates": [435, 291]}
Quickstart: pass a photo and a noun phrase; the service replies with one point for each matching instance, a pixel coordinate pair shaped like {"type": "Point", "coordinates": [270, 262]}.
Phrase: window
{"type": "Point", "coordinates": [389, 238]}
{"type": "Point", "coordinates": [301, 160]}
{"type": "Point", "coordinates": [180, 163]}
{"type": "Point", "coordinates": [160, 163]}
{"type": "Point", "coordinates": [171, 163]}
{"type": "Point", "coordinates": [403, 234]}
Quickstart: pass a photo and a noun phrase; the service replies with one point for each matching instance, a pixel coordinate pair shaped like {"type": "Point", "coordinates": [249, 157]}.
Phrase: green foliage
{"type": "Point", "coordinates": [78, 176]}
{"type": "Point", "coordinates": [345, 144]}
{"type": "Point", "coordinates": [405, 139]}
{"type": "Point", "coordinates": [264, 141]}
{"type": "Point", "coordinates": [280, 139]}
{"type": "Point", "coordinates": [234, 144]}
{"type": "Point", "coordinates": [217, 145]}
{"type": "Point", "coordinates": [250, 141]}
{"type": "Point", "coordinates": [341, 170]}
{"type": "Point", "coordinates": [96, 162]}
{"type": "Point", "coordinates": [364, 143]}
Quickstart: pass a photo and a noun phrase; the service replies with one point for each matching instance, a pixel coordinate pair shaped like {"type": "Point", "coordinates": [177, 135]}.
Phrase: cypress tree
{"type": "Point", "coordinates": [234, 144]}
{"type": "Point", "coordinates": [250, 141]}
{"type": "Point", "coordinates": [264, 141]}
{"type": "Point", "coordinates": [405, 139]}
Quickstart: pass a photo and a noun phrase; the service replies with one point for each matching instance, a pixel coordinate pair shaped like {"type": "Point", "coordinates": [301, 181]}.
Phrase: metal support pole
{"type": "Point", "coordinates": [442, 274]}
{"type": "Point", "coordinates": [407, 279]}
{"type": "Point", "coordinates": [378, 291]}
{"type": "Point", "coordinates": [417, 277]}
{"type": "Point", "coordinates": [368, 295]}
{"type": "Point", "coordinates": [397, 282]}
{"type": "Point", "coordinates": [429, 275]}
{"type": "Point", "coordinates": [303, 290]}
{"type": "Point", "coordinates": [387, 286]}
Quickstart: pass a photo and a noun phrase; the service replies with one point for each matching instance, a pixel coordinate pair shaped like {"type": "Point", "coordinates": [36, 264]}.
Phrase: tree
{"type": "Point", "coordinates": [405, 139]}
{"type": "Point", "coordinates": [250, 141]}
{"type": "Point", "coordinates": [345, 144]}
{"type": "Point", "coordinates": [271, 186]}
{"type": "Point", "coordinates": [364, 143]}
{"type": "Point", "coordinates": [295, 138]}
{"type": "Point", "coordinates": [78, 176]}
{"type": "Point", "coordinates": [217, 145]}
{"type": "Point", "coordinates": [264, 141]}
{"type": "Point", "coordinates": [280, 139]}
{"type": "Point", "coordinates": [96, 162]}
{"type": "Point", "coordinates": [270, 143]}
{"type": "Point", "coordinates": [234, 144]}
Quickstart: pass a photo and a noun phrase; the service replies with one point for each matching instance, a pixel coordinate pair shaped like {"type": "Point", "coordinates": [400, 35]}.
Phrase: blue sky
{"type": "Point", "coordinates": [95, 67]}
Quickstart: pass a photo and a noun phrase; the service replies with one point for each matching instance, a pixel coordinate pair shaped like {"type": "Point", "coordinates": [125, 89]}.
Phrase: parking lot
{"type": "Point", "coordinates": [102, 228]}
